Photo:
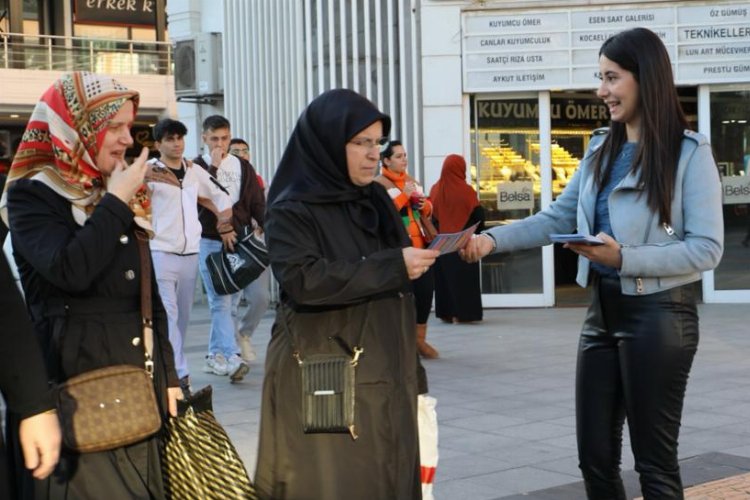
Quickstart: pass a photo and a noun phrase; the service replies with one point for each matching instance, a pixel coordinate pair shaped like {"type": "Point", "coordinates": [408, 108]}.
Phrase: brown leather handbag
{"type": "Point", "coordinates": [429, 232]}
{"type": "Point", "coordinates": [113, 406]}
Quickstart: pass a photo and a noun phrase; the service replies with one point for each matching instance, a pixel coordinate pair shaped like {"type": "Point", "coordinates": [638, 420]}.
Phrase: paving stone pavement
{"type": "Point", "coordinates": [735, 487]}
{"type": "Point", "coordinates": [505, 402]}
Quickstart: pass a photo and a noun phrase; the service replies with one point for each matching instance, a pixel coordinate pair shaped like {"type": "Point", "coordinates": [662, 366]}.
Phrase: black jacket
{"type": "Point", "coordinates": [336, 277]}
{"type": "Point", "coordinates": [79, 277]}
{"type": "Point", "coordinates": [23, 378]}
{"type": "Point", "coordinates": [251, 205]}
{"type": "Point", "coordinates": [82, 286]}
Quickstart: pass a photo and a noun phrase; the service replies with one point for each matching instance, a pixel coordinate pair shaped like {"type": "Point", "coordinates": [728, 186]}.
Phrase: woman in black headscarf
{"type": "Point", "coordinates": [343, 261]}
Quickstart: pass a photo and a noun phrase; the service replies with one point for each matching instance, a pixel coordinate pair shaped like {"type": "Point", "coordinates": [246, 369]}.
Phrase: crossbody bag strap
{"type": "Point", "coordinates": [355, 351]}
{"type": "Point", "coordinates": [386, 182]}
{"type": "Point", "coordinates": [146, 303]}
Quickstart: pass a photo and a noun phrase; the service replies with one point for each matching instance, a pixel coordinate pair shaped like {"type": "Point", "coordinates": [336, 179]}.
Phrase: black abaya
{"type": "Point", "coordinates": [457, 291]}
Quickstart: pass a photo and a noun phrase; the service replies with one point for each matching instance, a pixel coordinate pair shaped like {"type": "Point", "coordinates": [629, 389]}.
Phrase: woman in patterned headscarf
{"type": "Point", "coordinates": [72, 206]}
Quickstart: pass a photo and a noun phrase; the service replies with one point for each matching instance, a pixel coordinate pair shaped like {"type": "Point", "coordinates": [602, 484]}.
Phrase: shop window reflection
{"type": "Point", "coordinates": [506, 156]}
{"type": "Point", "coordinates": [506, 174]}
{"type": "Point", "coordinates": [575, 116]}
{"type": "Point", "coordinates": [730, 139]}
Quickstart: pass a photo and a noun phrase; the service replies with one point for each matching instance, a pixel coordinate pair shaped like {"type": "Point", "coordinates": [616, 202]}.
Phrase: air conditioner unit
{"type": "Point", "coordinates": [198, 67]}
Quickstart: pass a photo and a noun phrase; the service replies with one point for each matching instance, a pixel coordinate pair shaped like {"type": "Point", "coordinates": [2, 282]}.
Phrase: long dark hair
{"type": "Point", "coordinates": [662, 121]}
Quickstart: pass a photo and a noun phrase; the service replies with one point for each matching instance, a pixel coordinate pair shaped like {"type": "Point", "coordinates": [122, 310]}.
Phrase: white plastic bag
{"type": "Point", "coordinates": [8, 251]}
{"type": "Point", "coordinates": [428, 442]}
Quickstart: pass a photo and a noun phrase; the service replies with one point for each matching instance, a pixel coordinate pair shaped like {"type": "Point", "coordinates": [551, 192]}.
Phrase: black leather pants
{"type": "Point", "coordinates": [424, 288]}
{"type": "Point", "coordinates": [634, 358]}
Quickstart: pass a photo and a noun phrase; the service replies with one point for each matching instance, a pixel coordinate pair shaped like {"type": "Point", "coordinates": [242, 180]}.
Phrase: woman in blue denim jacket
{"type": "Point", "coordinates": [651, 191]}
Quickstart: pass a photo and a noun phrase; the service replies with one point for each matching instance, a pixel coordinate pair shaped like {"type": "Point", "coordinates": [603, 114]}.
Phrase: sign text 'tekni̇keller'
{"type": "Point", "coordinates": [558, 48]}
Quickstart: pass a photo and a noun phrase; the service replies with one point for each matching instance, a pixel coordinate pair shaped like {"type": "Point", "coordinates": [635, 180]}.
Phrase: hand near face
{"type": "Point", "coordinates": [125, 181]}
{"type": "Point", "coordinates": [418, 261]}
{"type": "Point", "coordinates": [40, 441]}
{"type": "Point", "coordinates": [417, 200]}
{"type": "Point", "coordinates": [477, 248]}
{"type": "Point", "coordinates": [409, 188]}
{"type": "Point", "coordinates": [217, 155]}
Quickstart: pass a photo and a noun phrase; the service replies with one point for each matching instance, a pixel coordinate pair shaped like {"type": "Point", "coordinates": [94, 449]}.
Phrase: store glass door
{"type": "Point", "coordinates": [506, 171]}
{"type": "Point", "coordinates": [730, 139]}
{"type": "Point", "coordinates": [574, 116]}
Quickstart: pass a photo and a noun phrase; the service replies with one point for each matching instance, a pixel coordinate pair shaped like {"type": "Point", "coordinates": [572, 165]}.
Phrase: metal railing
{"type": "Point", "coordinates": [60, 53]}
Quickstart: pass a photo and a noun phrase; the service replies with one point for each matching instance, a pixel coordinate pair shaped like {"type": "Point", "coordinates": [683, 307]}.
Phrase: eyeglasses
{"type": "Point", "coordinates": [367, 143]}
{"type": "Point", "coordinates": [239, 151]}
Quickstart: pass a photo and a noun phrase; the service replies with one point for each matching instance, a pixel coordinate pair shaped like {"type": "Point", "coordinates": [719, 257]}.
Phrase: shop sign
{"type": "Point", "coordinates": [570, 110]}
{"type": "Point", "coordinates": [736, 189]}
{"type": "Point", "coordinates": [519, 78]}
{"type": "Point", "coordinates": [540, 22]}
{"type": "Point", "coordinates": [540, 60]}
{"type": "Point", "coordinates": [515, 195]}
{"type": "Point", "coordinates": [522, 113]}
{"type": "Point", "coordinates": [559, 48]}
{"type": "Point", "coordinates": [116, 12]}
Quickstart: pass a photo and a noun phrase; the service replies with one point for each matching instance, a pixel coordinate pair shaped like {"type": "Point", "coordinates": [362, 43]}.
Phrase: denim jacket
{"type": "Point", "coordinates": [655, 256]}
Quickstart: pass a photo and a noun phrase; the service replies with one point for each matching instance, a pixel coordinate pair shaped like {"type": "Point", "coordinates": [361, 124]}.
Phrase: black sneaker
{"type": "Point", "coordinates": [185, 386]}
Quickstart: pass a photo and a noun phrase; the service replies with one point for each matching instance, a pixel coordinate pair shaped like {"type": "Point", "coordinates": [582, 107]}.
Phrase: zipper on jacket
{"type": "Point", "coordinates": [668, 229]}
{"type": "Point", "coordinates": [639, 285]}
{"type": "Point", "coordinates": [183, 164]}
{"type": "Point", "coordinates": [182, 216]}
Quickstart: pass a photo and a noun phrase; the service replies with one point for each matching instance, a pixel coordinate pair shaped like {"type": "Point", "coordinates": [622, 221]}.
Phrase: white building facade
{"type": "Point", "coordinates": [41, 40]}
{"type": "Point", "coordinates": [507, 84]}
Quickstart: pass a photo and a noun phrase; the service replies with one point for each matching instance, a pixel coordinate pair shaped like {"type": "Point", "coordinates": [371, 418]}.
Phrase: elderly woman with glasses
{"type": "Point", "coordinates": [344, 264]}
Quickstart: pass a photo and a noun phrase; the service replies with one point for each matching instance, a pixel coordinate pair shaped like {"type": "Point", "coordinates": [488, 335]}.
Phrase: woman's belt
{"type": "Point", "coordinates": [597, 277]}
{"type": "Point", "coordinates": [302, 308]}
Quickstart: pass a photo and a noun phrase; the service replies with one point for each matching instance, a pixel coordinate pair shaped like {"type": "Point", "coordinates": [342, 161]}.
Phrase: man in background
{"type": "Point", "coordinates": [177, 187]}
{"type": "Point", "coordinates": [257, 294]}
{"type": "Point", "coordinates": [238, 177]}
{"type": "Point", "coordinates": [238, 147]}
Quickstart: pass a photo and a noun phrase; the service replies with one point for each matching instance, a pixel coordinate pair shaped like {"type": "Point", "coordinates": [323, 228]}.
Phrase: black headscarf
{"type": "Point", "coordinates": [314, 170]}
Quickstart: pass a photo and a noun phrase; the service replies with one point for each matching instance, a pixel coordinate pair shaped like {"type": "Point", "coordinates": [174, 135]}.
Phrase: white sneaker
{"type": "Point", "coordinates": [246, 348]}
{"type": "Point", "coordinates": [216, 364]}
{"type": "Point", "coordinates": [237, 368]}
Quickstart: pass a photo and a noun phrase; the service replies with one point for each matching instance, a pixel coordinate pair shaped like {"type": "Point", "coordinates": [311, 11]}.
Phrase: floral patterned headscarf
{"type": "Point", "coordinates": [62, 139]}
